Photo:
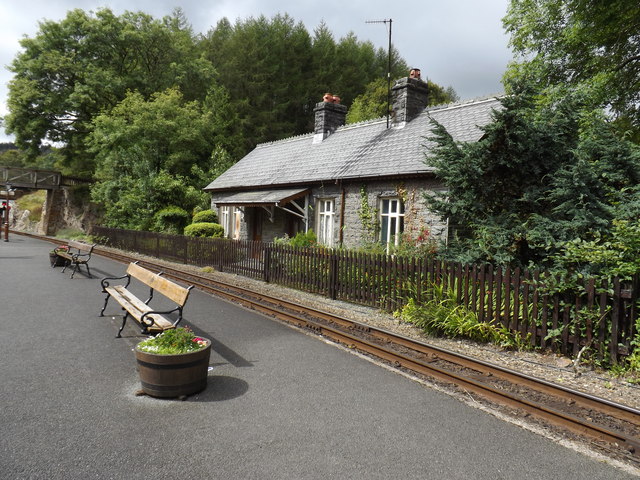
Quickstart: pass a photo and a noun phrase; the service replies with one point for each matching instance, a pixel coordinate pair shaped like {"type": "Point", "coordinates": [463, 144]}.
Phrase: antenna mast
{"type": "Point", "coordinates": [390, 22]}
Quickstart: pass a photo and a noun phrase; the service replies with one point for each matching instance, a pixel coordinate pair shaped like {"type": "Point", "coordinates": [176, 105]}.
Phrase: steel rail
{"type": "Point", "coordinates": [303, 316]}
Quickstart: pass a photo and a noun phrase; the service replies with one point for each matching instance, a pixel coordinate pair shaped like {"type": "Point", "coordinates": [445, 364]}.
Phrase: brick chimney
{"type": "Point", "coordinates": [409, 97]}
{"type": "Point", "coordinates": [329, 115]}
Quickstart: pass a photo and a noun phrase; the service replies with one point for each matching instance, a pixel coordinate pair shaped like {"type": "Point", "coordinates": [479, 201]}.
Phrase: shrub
{"type": "Point", "coordinates": [301, 239]}
{"type": "Point", "coordinates": [204, 229]}
{"type": "Point", "coordinates": [443, 315]}
{"type": "Point", "coordinates": [205, 216]}
{"type": "Point", "coordinates": [171, 219]}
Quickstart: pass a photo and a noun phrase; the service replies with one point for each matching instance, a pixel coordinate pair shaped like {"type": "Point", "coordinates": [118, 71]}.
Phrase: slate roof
{"type": "Point", "coordinates": [362, 150]}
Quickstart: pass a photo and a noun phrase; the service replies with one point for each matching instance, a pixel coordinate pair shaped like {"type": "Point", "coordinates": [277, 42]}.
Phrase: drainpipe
{"type": "Point", "coordinates": [341, 226]}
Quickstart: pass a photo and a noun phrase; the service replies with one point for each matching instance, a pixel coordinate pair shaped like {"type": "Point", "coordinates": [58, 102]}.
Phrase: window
{"type": "Point", "coordinates": [225, 218]}
{"type": "Point", "coordinates": [231, 221]}
{"type": "Point", "coordinates": [326, 212]}
{"type": "Point", "coordinates": [391, 220]}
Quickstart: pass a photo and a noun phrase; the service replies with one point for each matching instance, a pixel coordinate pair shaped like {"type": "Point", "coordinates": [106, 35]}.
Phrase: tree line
{"type": "Point", "coordinates": [153, 111]}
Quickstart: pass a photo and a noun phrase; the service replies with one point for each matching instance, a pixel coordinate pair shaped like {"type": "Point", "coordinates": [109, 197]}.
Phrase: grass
{"type": "Point", "coordinates": [34, 203]}
{"type": "Point", "coordinates": [72, 234]}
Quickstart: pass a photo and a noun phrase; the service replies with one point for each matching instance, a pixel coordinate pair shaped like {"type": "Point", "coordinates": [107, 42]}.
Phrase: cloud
{"type": "Point", "coordinates": [457, 43]}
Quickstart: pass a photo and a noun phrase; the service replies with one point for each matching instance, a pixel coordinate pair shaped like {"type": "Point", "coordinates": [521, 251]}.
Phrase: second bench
{"type": "Point", "coordinates": [151, 320]}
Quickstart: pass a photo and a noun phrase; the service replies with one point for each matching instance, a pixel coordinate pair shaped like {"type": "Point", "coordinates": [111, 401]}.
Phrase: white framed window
{"type": "Point", "coordinates": [326, 212]}
{"type": "Point", "coordinates": [391, 220]}
{"type": "Point", "coordinates": [225, 220]}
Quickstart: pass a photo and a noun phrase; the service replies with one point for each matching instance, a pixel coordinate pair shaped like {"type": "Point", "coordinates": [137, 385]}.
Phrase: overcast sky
{"type": "Point", "coordinates": [458, 43]}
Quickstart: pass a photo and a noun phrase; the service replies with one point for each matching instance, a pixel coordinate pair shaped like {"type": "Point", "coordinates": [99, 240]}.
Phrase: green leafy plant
{"type": "Point", "coordinates": [442, 315]}
{"type": "Point", "coordinates": [301, 239]}
{"type": "Point", "coordinates": [368, 216]}
{"type": "Point", "coordinates": [205, 216]}
{"type": "Point", "coordinates": [173, 342]}
{"type": "Point", "coordinates": [204, 229]}
{"type": "Point", "coordinates": [171, 219]}
{"type": "Point", "coordinates": [304, 239]}
{"type": "Point", "coordinates": [615, 253]}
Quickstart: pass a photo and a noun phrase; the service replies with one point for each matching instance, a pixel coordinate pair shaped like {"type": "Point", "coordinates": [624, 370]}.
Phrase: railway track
{"type": "Point", "coordinates": [610, 427]}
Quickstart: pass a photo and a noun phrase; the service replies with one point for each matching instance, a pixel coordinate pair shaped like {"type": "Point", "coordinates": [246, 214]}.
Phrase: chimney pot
{"type": "Point", "coordinates": [414, 73]}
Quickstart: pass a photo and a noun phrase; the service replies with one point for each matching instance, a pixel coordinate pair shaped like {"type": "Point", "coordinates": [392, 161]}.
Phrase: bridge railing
{"type": "Point", "coordinates": [30, 178]}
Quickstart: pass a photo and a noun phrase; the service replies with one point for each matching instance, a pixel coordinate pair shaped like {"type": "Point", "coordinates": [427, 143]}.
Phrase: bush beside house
{"type": "Point", "coordinates": [204, 229]}
{"type": "Point", "coordinates": [208, 216]}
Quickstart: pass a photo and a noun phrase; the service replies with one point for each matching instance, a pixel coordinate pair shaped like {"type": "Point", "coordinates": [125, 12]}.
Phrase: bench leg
{"type": "Point", "coordinates": [75, 269]}
{"type": "Point", "coordinates": [104, 307]}
{"type": "Point", "coordinates": [88, 271]}
{"type": "Point", "coordinates": [124, 320]}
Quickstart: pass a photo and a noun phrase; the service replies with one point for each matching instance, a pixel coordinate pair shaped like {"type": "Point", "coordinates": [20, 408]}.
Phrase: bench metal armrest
{"type": "Point", "coordinates": [105, 281]}
{"type": "Point", "coordinates": [149, 323]}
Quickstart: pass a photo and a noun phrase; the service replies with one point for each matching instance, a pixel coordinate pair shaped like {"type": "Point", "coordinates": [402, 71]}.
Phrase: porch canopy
{"type": "Point", "coordinates": [269, 200]}
{"type": "Point", "coordinates": [259, 198]}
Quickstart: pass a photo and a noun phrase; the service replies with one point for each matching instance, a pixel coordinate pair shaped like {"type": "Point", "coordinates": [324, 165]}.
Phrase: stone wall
{"type": "Point", "coordinates": [62, 209]}
{"type": "Point", "coordinates": [357, 229]}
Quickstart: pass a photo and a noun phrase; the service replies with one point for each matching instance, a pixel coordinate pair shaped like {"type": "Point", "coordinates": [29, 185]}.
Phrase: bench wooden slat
{"type": "Point", "coordinates": [160, 284]}
{"type": "Point", "coordinates": [137, 307]}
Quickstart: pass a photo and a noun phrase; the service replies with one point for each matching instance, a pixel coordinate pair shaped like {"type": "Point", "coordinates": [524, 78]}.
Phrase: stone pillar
{"type": "Point", "coordinates": [409, 98]}
{"type": "Point", "coordinates": [51, 211]}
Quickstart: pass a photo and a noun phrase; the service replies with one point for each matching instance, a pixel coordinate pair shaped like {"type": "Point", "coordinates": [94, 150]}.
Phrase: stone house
{"type": "Point", "coordinates": [349, 183]}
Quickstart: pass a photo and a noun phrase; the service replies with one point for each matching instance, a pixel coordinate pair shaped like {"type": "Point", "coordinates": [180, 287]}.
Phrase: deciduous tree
{"type": "Point", "coordinates": [75, 69]}
{"type": "Point", "coordinates": [153, 154]}
{"type": "Point", "coordinates": [579, 44]}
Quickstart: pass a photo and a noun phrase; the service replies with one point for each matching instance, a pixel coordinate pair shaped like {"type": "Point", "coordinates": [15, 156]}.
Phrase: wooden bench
{"type": "Point", "coordinates": [76, 254]}
{"type": "Point", "coordinates": [152, 321]}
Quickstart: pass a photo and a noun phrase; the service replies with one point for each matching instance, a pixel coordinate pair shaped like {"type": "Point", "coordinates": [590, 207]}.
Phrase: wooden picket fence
{"type": "Point", "coordinates": [602, 316]}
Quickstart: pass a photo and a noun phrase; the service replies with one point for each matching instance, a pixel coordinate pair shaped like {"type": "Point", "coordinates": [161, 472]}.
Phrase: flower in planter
{"type": "Point", "coordinates": [173, 342]}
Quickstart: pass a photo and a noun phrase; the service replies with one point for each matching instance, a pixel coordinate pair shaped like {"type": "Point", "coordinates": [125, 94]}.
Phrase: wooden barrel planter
{"type": "Point", "coordinates": [170, 376]}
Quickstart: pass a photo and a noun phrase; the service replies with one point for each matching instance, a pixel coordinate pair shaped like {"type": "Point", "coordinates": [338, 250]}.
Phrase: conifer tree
{"type": "Point", "coordinates": [537, 178]}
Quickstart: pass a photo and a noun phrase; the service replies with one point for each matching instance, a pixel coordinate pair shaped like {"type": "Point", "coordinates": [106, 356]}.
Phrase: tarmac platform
{"type": "Point", "coordinates": [280, 404]}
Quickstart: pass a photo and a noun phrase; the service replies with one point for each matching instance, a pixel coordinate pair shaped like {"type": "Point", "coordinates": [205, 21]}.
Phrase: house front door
{"type": "Point", "coordinates": [256, 225]}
